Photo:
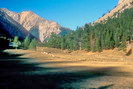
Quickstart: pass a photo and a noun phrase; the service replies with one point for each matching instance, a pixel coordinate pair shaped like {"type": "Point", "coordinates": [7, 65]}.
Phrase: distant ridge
{"type": "Point", "coordinates": [11, 28]}
{"type": "Point", "coordinates": [37, 26]}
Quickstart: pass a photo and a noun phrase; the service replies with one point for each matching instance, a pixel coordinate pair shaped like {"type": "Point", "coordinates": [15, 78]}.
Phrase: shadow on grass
{"type": "Point", "coordinates": [16, 74]}
{"type": "Point", "coordinates": [104, 87]}
{"type": "Point", "coordinates": [5, 55]}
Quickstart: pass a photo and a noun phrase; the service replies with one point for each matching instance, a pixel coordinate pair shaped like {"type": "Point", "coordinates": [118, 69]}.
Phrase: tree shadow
{"type": "Point", "coordinates": [5, 55]}
{"type": "Point", "coordinates": [103, 87]}
{"type": "Point", "coordinates": [17, 74]}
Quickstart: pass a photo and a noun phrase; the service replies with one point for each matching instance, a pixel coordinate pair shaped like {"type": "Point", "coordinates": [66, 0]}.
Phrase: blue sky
{"type": "Point", "coordinates": [68, 13]}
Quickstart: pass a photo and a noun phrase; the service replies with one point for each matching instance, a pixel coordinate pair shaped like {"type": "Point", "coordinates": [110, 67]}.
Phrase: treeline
{"type": "Point", "coordinates": [112, 33]}
{"type": "Point", "coordinates": [27, 43]}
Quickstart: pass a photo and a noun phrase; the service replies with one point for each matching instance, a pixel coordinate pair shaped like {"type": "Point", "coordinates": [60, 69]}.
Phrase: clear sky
{"type": "Point", "coordinates": [68, 13]}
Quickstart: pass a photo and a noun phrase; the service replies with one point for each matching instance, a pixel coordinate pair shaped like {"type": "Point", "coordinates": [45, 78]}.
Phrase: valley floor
{"type": "Point", "coordinates": [49, 68]}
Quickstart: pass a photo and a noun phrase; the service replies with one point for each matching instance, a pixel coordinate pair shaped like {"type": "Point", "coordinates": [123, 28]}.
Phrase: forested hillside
{"type": "Point", "coordinates": [109, 34]}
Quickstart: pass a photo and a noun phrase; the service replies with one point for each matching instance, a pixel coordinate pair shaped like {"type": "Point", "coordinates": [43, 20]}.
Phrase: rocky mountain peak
{"type": "Point", "coordinates": [11, 28]}
{"type": "Point", "coordinates": [122, 5]}
{"type": "Point", "coordinates": [124, 1]}
{"type": "Point", "coordinates": [28, 12]}
{"type": "Point", "coordinates": [36, 25]}
{"type": "Point", "coordinates": [121, 1]}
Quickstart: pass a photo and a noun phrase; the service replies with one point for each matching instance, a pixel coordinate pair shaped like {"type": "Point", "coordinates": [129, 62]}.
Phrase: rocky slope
{"type": "Point", "coordinates": [122, 5]}
{"type": "Point", "coordinates": [37, 26]}
{"type": "Point", "coordinates": [11, 28]}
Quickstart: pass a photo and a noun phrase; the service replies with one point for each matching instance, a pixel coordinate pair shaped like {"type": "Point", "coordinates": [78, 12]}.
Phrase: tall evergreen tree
{"type": "Point", "coordinates": [33, 44]}
{"type": "Point", "coordinates": [26, 42]}
{"type": "Point", "coordinates": [16, 42]}
{"type": "Point", "coordinates": [16, 39]}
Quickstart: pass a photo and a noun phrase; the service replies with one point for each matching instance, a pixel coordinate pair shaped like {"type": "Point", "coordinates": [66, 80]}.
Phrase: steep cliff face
{"type": "Point", "coordinates": [11, 28]}
{"type": "Point", "coordinates": [37, 26]}
{"type": "Point", "coordinates": [122, 5]}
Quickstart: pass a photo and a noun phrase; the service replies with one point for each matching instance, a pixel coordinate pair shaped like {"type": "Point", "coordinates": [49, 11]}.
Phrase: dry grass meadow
{"type": "Point", "coordinates": [110, 69]}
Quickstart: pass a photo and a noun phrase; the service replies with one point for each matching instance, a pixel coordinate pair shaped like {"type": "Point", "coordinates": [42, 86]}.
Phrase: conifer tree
{"type": "Point", "coordinates": [16, 42]}
{"type": "Point", "coordinates": [26, 42]}
{"type": "Point", "coordinates": [33, 44]}
{"type": "Point", "coordinates": [16, 39]}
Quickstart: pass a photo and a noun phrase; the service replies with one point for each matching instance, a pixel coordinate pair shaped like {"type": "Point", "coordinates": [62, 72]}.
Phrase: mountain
{"type": "Point", "coordinates": [11, 28]}
{"type": "Point", "coordinates": [37, 26]}
{"type": "Point", "coordinates": [122, 5]}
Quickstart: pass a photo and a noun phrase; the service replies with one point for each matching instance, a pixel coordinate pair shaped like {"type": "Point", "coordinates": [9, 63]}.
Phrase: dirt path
{"type": "Point", "coordinates": [38, 70]}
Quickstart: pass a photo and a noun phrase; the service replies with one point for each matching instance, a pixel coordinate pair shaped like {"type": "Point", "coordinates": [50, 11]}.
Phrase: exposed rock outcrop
{"type": "Point", "coordinates": [122, 5]}
{"type": "Point", "coordinates": [11, 28]}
